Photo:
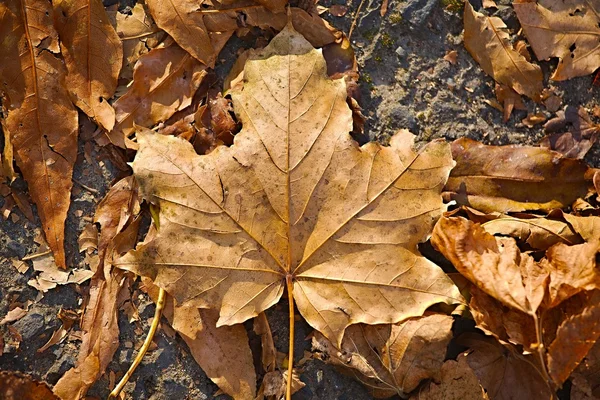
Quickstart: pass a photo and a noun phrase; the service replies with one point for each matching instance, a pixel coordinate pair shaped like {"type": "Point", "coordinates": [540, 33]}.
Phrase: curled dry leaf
{"type": "Point", "coordinates": [489, 44]}
{"type": "Point", "coordinates": [100, 328]}
{"type": "Point", "coordinates": [504, 373]}
{"type": "Point", "coordinates": [571, 133]}
{"type": "Point", "coordinates": [17, 386]}
{"type": "Point", "coordinates": [457, 382]}
{"type": "Point", "coordinates": [294, 202]}
{"type": "Point", "coordinates": [391, 359]}
{"type": "Point", "coordinates": [494, 264]}
{"type": "Point", "coordinates": [514, 178]}
{"type": "Point", "coordinates": [567, 29]}
{"type": "Point", "coordinates": [93, 54]}
{"type": "Point", "coordinates": [32, 77]}
{"type": "Point", "coordinates": [68, 318]}
{"type": "Point", "coordinates": [534, 119]}
{"type": "Point", "coordinates": [164, 81]}
{"type": "Point", "coordinates": [223, 353]}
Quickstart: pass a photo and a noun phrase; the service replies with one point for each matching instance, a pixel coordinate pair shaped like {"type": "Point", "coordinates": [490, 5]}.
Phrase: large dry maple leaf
{"type": "Point", "coordinates": [295, 201]}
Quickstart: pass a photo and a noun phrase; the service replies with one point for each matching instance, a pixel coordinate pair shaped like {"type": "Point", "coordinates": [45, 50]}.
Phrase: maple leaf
{"type": "Point", "coordinates": [93, 55]}
{"type": "Point", "coordinates": [489, 45]}
{"type": "Point", "coordinates": [565, 29]}
{"type": "Point", "coordinates": [514, 178]}
{"type": "Point", "coordinates": [294, 202]}
{"type": "Point", "coordinates": [32, 79]}
{"type": "Point", "coordinates": [391, 359]}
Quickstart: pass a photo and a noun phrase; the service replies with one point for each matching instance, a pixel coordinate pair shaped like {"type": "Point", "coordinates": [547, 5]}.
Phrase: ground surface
{"type": "Point", "coordinates": [405, 83]}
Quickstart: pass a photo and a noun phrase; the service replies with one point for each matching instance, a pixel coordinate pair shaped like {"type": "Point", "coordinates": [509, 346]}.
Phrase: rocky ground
{"type": "Point", "coordinates": [405, 83]}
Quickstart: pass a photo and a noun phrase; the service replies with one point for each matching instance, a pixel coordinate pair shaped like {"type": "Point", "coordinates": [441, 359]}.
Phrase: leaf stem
{"type": "Point", "coordinates": [290, 287]}
{"type": "Point", "coordinates": [160, 303]}
{"type": "Point", "coordinates": [541, 352]}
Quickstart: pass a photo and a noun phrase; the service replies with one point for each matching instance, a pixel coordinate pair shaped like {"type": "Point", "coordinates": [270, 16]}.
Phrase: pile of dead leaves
{"type": "Point", "coordinates": [257, 188]}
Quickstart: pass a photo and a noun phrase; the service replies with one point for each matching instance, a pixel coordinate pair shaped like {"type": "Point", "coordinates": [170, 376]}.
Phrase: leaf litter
{"type": "Point", "coordinates": [296, 205]}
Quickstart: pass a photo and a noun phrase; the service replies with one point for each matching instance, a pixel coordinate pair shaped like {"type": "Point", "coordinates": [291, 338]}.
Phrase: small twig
{"type": "Point", "coordinates": [355, 19]}
{"type": "Point", "coordinates": [89, 189]}
{"type": "Point", "coordinates": [36, 255]}
{"type": "Point", "coordinates": [160, 303]}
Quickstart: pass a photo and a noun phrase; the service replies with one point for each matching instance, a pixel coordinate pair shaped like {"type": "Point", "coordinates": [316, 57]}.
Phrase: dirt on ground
{"type": "Point", "coordinates": [405, 83]}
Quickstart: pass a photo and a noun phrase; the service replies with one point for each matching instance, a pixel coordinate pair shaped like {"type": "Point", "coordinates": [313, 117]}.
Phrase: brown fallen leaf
{"type": "Point", "coordinates": [457, 382]}
{"type": "Point", "coordinates": [391, 359]}
{"type": "Point", "coordinates": [68, 318]}
{"type": "Point", "coordinates": [274, 382]}
{"type": "Point", "coordinates": [16, 313]}
{"type": "Point", "coordinates": [100, 339]}
{"type": "Point", "coordinates": [18, 386]}
{"type": "Point", "coordinates": [513, 178]}
{"type": "Point", "coordinates": [567, 29]}
{"type": "Point", "coordinates": [45, 146]}
{"type": "Point", "coordinates": [263, 216]}
{"type": "Point", "coordinates": [494, 264]}
{"type": "Point", "coordinates": [164, 81]}
{"type": "Point", "coordinates": [533, 119]}
{"type": "Point", "coordinates": [489, 44]}
{"type": "Point", "coordinates": [138, 33]}
{"type": "Point", "coordinates": [184, 21]}
{"type": "Point", "coordinates": [504, 373]}
{"type": "Point", "coordinates": [575, 337]}
{"type": "Point", "coordinates": [223, 353]}
{"type": "Point", "coordinates": [571, 133]}
{"type": "Point", "coordinates": [538, 232]}
{"type": "Point", "coordinates": [50, 275]}
{"type": "Point", "coordinates": [268, 353]}
{"type": "Point", "coordinates": [88, 239]}
{"type": "Point", "coordinates": [509, 99]}
{"type": "Point", "coordinates": [93, 55]}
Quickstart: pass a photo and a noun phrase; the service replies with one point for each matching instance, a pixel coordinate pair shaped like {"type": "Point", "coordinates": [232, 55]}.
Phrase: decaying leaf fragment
{"type": "Point", "coordinates": [514, 178]}
{"type": "Point", "coordinates": [32, 81]}
{"type": "Point", "coordinates": [164, 81]}
{"type": "Point", "coordinates": [571, 133]}
{"type": "Point", "coordinates": [295, 201]}
{"type": "Point", "coordinates": [567, 29]}
{"type": "Point", "coordinates": [489, 45]}
{"type": "Point", "coordinates": [504, 373]}
{"type": "Point", "coordinates": [17, 386]}
{"type": "Point", "coordinates": [391, 359]}
{"type": "Point", "coordinates": [457, 382]}
{"type": "Point", "coordinates": [93, 54]}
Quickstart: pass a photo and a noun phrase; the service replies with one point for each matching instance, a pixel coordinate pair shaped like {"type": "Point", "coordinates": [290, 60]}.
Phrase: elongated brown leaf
{"type": "Point", "coordinates": [567, 29]}
{"type": "Point", "coordinates": [489, 45]}
{"type": "Point", "coordinates": [164, 81]}
{"type": "Point", "coordinates": [391, 359]}
{"type": "Point", "coordinates": [93, 54]}
{"type": "Point", "coordinates": [294, 200]}
{"type": "Point", "coordinates": [514, 178]}
{"type": "Point", "coordinates": [41, 118]}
